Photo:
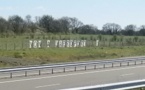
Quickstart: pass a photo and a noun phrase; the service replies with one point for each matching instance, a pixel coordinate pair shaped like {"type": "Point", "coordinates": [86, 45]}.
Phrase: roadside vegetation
{"type": "Point", "coordinates": [20, 42]}
{"type": "Point", "coordinates": [114, 41]}
{"type": "Point", "coordinates": [15, 51]}
{"type": "Point", "coordinates": [59, 55]}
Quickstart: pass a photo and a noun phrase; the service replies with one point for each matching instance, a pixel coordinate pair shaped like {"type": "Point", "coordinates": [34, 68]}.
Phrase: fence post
{"type": "Point", "coordinates": [14, 46]}
{"type": "Point", "coordinates": [6, 46]}
{"type": "Point", "coordinates": [22, 44]}
{"type": "Point", "coordinates": [112, 64]}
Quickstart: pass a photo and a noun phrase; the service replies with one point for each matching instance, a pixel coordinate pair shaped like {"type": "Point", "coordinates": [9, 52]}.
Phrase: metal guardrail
{"type": "Point", "coordinates": [114, 86]}
{"type": "Point", "coordinates": [75, 65]}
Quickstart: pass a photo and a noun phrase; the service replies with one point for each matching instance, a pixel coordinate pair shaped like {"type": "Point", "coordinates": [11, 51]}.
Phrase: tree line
{"type": "Point", "coordinates": [47, 24]}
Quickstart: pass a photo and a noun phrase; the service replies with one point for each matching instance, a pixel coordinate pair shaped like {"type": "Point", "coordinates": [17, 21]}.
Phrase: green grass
{"type": "Point", "coordinates": [22, 42]}
{"type": "Point", "coordinates": [57, 55]}
{"type": "Point", "coordinates": [14, 50]}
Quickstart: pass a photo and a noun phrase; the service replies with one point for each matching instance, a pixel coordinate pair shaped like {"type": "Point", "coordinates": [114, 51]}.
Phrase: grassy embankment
{"type": "Point", "coordinates": [56, 55]}
{"type": "Point", "coordinates": [14, 51]}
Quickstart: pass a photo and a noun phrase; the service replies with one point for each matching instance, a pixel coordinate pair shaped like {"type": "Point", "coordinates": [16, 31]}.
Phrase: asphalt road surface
{"type": "Point", "coordinates": [68, 80]}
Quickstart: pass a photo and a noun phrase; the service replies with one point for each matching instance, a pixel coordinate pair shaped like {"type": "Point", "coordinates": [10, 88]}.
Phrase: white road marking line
{"type": "Point", "coordinates": [47, 86]}
{"type": "Point", "coordinates": [70, 74]}
{"type": "Point", "coordinates": [127, 74]}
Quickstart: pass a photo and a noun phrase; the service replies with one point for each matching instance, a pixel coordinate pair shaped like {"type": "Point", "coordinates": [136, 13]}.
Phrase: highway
{"type": "Point", "coordinates": [60, 81]}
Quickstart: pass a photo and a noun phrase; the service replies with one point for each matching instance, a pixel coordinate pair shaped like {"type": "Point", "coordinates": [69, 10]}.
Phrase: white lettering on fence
{"type": "Point", "coordinates": [74, 43]}
{"type": "Point", "coordinates": [97, 42]}
{"type": "Point", "coordinates": [59, 43]}
{"type": "Point", "coordinates": [35, 44]}
{"type": "Point", "coordinates": [63, 43]}
{"type": "Point", "coordinates": [84, 41]}
{"type": "Point", "coordinates": [39, 44]}
{"type": "Point", "coordinates": [48, 43]}
{"type": "Point", "coordinates": [56, 43]}
{"type": "Point", "coordinates": [68, 43]}
{"type": "Point", "coordinates": [71, 43]}
{"type": "Point", "coordinates": [30, 43]}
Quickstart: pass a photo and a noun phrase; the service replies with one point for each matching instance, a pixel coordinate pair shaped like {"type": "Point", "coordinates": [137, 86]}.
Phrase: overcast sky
{"type": "Point", "coordinates": [97, 12]}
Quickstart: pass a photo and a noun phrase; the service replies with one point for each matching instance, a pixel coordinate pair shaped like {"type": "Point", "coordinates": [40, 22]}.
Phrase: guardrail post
{"type": "Point", "coordinates": [112, 64]}
{"type": "Point", "coordinates": [141, 62]}
{"type": "Point", "coordinates": [120, 64]}
{"type": "Point", "coordinates": [52, 71]}
{"type": "Point", "coordinates": [64, 69]}
{"type": "Point", "coordinates": [104, 66]}
{"type": "Point", "coordinates": [39, 72]}
{"type": "Point", "coordinates": [127, 63]}
{"type": "Point", "coordinates": [11, 75]}
{"type": "Point", "coordinates": [85, 67]}
{"type": "Point", "coordinates": [135, 63]}
{"type": "Point", "coordinates": [25, 73]}
{"type": "Point", "coordinates": [94, 66]}
{"type": "Point", "coordinates": [75, 68]}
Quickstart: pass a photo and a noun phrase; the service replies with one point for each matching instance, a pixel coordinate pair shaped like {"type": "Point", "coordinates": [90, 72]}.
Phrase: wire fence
{"type": "Point", "coordinates": [44, 44]}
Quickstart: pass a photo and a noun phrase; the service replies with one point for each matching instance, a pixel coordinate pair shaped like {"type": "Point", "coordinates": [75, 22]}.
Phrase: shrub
{"type": "Point", "coordinates": [99, 37]}
{"type": "Point", "coordinates": [19, 55]}
{"type": "Point", "coordinates": [135, 39]}
{"type": "Point", "coordinates": [114, 38]}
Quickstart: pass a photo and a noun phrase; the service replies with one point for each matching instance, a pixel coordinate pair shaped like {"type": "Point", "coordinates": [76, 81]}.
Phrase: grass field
{"type": "Point", "coordinates": [57, 55]}
{"type": "Point", "coordinates": [14, 51]}
{"type": "Point", "coordinates": [22, 42]}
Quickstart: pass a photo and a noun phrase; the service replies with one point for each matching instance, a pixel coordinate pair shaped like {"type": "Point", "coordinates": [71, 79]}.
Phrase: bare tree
{"type": "Point", "coordinates": [142, 27]}
{"type": "Point", "coordinates": [28, 19]}
{"type": "Point", "coordinates": [16, 24]}
{"type": "Point", "coordinates": [46, 22]}
{"type": "Point", "coordinates": [64, 21]}
{"type": "Point", "coordinates": [111, 28]}
{"type": "Point", "coordinates": [75, 24]}
{"type": "Point", "coordinates": [88, 29]}
{"type": "Point", "coordinates": [3, 25]}
{"type": "Point", "coordinates": [130, 29]}
{"type": "Point", "coordinates": [142, 30]}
